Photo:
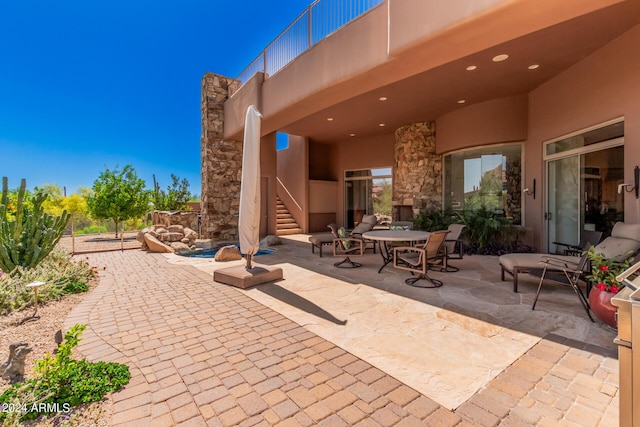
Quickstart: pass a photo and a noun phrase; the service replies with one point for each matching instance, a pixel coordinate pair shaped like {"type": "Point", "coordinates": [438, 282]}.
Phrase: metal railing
{"type": "Point", "coordinates": [318, 21]}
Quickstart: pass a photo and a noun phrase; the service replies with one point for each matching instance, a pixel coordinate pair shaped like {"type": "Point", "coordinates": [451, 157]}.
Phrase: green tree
{"type": "Point", "coordinates": [176, 196]}
{"type": "Point", "coordinates": [118, 195]}
{"type": "Point", "coordinates": [54, 203]}
{"type": "Point", "coordinates": [382, 203]}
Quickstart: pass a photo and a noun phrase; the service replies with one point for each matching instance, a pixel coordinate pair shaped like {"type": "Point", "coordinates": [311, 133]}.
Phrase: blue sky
{"type": "Point", "coordinates": [86, 85]}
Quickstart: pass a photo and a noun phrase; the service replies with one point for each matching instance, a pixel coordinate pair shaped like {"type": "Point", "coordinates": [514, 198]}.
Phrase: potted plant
{"type": "Point", "coordinates": [605, 286]}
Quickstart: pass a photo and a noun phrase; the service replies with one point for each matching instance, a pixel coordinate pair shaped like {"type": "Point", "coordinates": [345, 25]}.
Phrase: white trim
{"type": "Point", "coordinates": [585, 130]}
{"type": "Point", "coordinates": [616, 142]}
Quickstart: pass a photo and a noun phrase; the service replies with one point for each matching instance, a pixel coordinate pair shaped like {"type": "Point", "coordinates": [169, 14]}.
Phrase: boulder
{"type": "Point", "coordinates": [180, 247]}
{"type": "Point", "coordinates": [141, 233]}
{"type": "Point", "coordinates": [228, 253]}
{"type": "Point", "coordinates": [190, 234]}
{"type": "Point", "coordinates": [156, 245]}
{"type": "Point", "coordinates": [176, 228]}
{"type": "Point", "coordinates": [270, 240]}
{"type": "Point", "coordinates": [170, 236]}
{"type": "Point", "coordinates": [204, 243]}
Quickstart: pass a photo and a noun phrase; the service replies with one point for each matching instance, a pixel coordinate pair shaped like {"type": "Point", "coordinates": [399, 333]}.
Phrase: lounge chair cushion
{"type": "Point", "coordinates": [623, 242]}
{"type": "Point", "coordinates": [529, 260]}
{"type": "Point", "coordinates": [367, 224]}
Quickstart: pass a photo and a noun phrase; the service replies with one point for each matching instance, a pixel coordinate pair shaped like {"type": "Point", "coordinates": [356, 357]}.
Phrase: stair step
{"type": "Point", "coordinates": [287, 226]}
{"type": "Point", "coordinates": [286, 221]}
{"type": "Point", "coordinates": [289, 232]}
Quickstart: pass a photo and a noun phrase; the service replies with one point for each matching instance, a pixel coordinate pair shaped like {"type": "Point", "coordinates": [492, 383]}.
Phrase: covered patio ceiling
{"type": "Point", "coordinates": [532, 60]}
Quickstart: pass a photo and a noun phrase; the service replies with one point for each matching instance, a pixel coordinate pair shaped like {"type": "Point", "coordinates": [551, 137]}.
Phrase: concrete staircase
{"type": "Point", "coordinates": [285, 223]}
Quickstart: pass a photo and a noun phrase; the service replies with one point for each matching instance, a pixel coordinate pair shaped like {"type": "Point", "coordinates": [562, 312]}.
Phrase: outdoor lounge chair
{"type": "Point", "coordinates": [566, 272]}
{"type": "Point", "coordinates": [420, 259]}
{"type": "Point", "coordinates": [588, 238]}
{"type": "Point", "coordinates": [319, 240]}
{"type": "Point", "coordinates": [623, 242]}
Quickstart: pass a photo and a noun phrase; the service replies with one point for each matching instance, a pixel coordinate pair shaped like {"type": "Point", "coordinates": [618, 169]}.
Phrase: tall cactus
{"type": "Point", "coordinates": [31, 234]}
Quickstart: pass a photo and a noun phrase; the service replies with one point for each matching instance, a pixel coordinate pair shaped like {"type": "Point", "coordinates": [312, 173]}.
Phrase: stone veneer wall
{"type": "Point", "coordinates": [513, 196]}
{"type": "Point", "coordinates": [417, 178]}
{"type": "Point", "coordinates": [185, 218]}
{"type": "Point", "coordinates": [221, 162]}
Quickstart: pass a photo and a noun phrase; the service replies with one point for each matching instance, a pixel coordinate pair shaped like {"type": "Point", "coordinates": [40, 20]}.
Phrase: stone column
{"type": "Point", "coordinates": [417, 179]}
{"type": "Point", "coordinates": [221, 163]}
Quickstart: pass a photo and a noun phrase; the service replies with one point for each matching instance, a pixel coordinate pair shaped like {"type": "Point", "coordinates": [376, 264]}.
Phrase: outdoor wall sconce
{"type": "Point", "coordinates": [531, 192]}
{"type": "Point", "coordinates": [635, 186]}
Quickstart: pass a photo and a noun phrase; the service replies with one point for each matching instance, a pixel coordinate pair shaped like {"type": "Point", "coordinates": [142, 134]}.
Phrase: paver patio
{"type": "Point", "coordinates": [203, 353]}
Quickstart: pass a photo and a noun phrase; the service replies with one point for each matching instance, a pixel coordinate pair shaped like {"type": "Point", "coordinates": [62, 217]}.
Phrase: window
{"type": "Point", "coordinates": [487, 177]}
{"type": "Point", "coordinates": [367, 192]}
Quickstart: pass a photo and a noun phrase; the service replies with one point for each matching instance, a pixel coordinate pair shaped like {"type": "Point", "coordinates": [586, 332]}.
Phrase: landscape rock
{"type": "Point", "coordinates": [170, 236]}
{"type": "Point", "coordinates": [270, 240]}
{"type": "Point", "coordinates": [176, 228]}
{"type": "Point", "coordinates": [160, 238]}
{"type": "Point", "coordinates": [228, 253]}
{"type": "Point", "coordinates": [204, 243]}
{"type": "Point", "coordinates": [156, 245]}
{"type": "Point", "coordinates": [190, 234]}
{"type": "Point", "coordinates": [180, 247]}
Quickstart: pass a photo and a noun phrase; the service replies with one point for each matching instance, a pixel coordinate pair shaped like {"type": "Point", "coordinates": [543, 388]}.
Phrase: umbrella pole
{"type": "Point", "coordinates": [248, 267]}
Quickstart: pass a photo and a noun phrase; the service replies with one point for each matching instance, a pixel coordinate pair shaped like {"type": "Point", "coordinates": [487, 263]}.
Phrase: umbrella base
{"type": "Point", "coordinates": [241, 277]}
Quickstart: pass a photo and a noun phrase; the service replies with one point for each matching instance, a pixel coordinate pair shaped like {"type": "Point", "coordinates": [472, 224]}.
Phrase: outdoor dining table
{"type": "Point", "coordinates": [385, 238]}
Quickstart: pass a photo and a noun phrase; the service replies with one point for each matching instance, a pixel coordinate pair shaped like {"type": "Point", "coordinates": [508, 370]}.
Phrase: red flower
{"type": "Point", "coordinates": [604, 268]}
{"type": "Point", "coordinates": [614, 289]}
{"type": "Point", "coordinates": [601, 287]}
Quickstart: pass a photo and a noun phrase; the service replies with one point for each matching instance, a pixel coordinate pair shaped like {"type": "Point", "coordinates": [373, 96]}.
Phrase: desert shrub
{"type": "Point", "coordinates": [60, 273]}
{"type": "Point", "coordinates": [61, 382]}
{"type": "Point", "coordinates": [92, 229]}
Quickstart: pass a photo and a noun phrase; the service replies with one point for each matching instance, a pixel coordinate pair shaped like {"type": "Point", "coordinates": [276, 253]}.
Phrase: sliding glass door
{"type": "Point", "coordinates": [367, 192]}
{"type": "Point", "coordinates": [583, 173]}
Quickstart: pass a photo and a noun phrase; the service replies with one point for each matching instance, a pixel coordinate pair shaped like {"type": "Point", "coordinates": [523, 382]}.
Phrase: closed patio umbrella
{"type": "Point", "coordinates": [249, 219]}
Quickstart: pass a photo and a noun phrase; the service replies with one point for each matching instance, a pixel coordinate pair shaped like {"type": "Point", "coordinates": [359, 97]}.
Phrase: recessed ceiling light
{"type": "Point", "coordinates": [500, 57]}
{"type": "Point", "coordinates": [329, 119]}
{"type": "Point", "coordinates": [533, 66]}
{"type": "Point", "coordinates": [381, 124]}
{"type": "Point", "coordinates": [462, 101]}
{"type": "Point", "coordinates": [471, 67]}
{"type": "Point", "coordinates": [352, 135]}
{"type": "Point", "coordinates": [383, 98]}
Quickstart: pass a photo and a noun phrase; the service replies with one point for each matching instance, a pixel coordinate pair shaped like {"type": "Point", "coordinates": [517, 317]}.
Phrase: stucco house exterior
{"type": "Point", "coordinates": [529, 106]}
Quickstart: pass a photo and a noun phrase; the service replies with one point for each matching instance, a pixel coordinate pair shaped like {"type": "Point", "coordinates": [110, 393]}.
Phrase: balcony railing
{"type": "Point", "coordinates": [318, 21]}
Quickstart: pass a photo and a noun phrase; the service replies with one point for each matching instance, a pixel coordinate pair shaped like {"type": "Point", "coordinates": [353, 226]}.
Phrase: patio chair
{"type": "Point", "coordinates": [566, 272]}
{"type": "Point", "coordinates": [420, 259]}
{"type": "Point", "coordinates": [454, 246]}
{"type": "Point", "coordinates": [623, 242]}
{"type": "Point", "coordinates": [345, 245]}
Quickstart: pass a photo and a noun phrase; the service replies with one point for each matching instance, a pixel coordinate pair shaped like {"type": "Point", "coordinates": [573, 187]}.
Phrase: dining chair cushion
{"type": "Point", "coordinates": [346, 244]}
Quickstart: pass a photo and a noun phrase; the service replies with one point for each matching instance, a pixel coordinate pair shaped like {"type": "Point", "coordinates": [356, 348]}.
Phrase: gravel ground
{"type": "Point", "coordinates": [39, 334]}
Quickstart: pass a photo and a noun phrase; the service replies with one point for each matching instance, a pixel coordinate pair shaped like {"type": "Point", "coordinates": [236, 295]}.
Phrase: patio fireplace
{"type": "Point", "coordinates": [402, 213]}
